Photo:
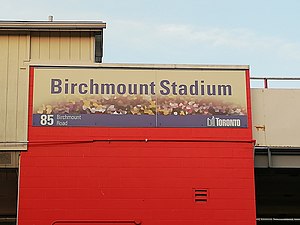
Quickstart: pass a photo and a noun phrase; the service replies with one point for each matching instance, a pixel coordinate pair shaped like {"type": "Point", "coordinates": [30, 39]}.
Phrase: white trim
{"type": "Point", "coordinates": [18, 197]}
{"type": "Point", "coordinates": [144, 66]}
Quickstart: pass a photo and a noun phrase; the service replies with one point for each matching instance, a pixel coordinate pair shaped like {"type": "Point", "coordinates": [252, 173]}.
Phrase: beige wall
{"type": "Point", "coordinates": [276, 118]}
{"type": "Point", "coordinates": [13, 90]}
{"type": "Point", "coordinates": [18, 51]}
{"type": "Point", "coordinates": [62, 47]}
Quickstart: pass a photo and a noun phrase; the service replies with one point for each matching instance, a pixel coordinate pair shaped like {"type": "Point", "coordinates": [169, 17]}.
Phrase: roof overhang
{"type": "Point", "coordinates": [52, 25]}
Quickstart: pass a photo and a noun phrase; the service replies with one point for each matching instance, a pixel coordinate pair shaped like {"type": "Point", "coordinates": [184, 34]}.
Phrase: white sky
{"type": "Point", "coordinates": [264, 34]}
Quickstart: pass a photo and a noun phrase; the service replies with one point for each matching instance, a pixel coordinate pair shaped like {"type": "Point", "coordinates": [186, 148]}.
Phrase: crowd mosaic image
{"type": "Point", "coordinates": [143, 105]}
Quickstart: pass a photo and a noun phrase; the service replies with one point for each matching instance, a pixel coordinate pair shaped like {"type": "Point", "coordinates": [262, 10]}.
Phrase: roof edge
{"type": "Point", "coordinates": [51, 25]}
{"type": "Point", "coordinates": [150, 66]}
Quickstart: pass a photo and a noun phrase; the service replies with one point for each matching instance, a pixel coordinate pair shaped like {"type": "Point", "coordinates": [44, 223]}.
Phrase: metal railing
{"type": "Point", "coordinates": [266, 80]}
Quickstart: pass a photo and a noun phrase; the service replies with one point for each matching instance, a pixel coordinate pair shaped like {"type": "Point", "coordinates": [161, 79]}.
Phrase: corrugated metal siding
{"type": "Point", "coordinates": [13, 91]}
{"type": "Point", "coordinates": [146, 181]}
{"type": "Point", "coordinates": [76, 47]}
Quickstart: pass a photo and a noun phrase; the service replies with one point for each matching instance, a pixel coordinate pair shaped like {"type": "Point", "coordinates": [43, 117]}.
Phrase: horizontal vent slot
{"type": "Point", "coordinates": [198, 195]}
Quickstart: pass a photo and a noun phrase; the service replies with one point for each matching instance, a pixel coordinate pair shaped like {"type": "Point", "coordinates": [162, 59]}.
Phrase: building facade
{"type": "Point", "coordinates": [84, 142]}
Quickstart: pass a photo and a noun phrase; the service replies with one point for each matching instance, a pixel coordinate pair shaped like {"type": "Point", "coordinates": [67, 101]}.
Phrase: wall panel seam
{"type": "Point", "coordinates": [7, 71]}
{"type": "Point", "coordinates": [17, 87]}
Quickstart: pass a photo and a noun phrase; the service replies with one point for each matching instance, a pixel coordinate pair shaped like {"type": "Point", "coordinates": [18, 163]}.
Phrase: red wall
{"type": "Point", "coordinates": [115, 175]}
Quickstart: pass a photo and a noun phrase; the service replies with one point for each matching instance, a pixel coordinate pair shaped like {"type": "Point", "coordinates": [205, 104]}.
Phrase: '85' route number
{"type": "Point", "coordinates": [47, 120]}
